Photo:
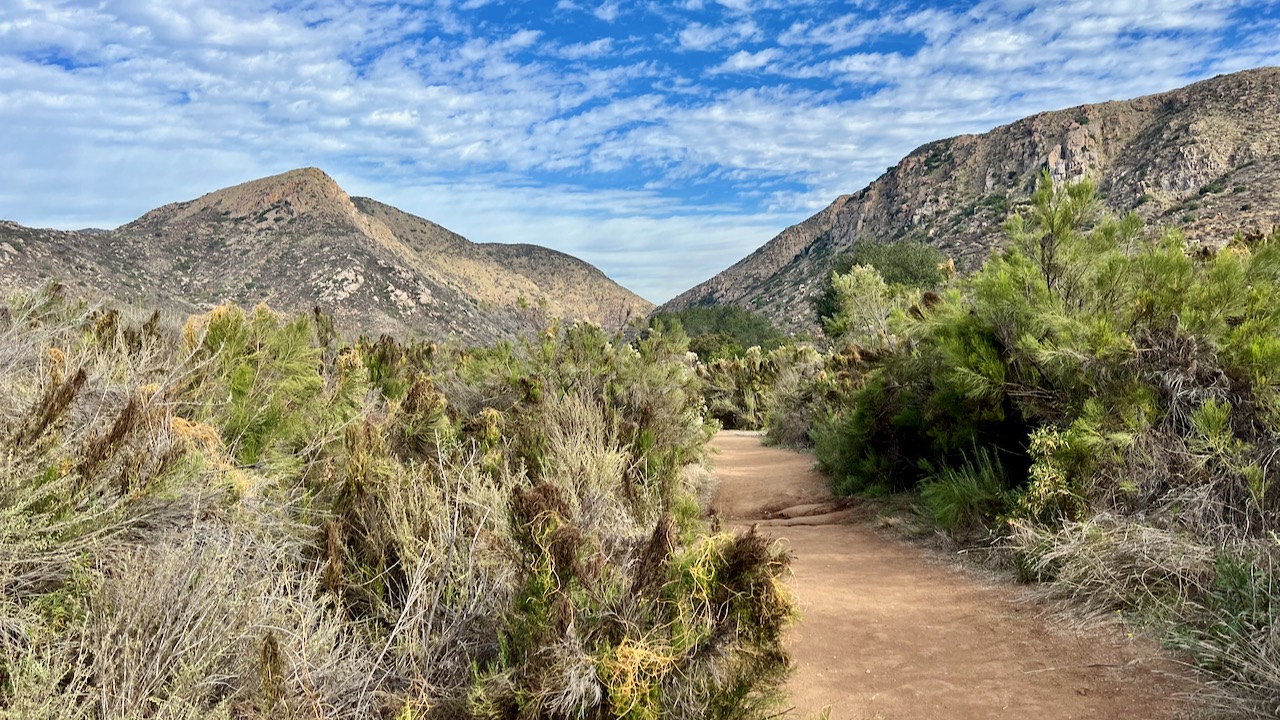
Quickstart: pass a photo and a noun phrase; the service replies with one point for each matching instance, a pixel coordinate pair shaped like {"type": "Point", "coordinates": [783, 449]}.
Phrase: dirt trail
{"type": "Point", "coordinates": [889, 631]}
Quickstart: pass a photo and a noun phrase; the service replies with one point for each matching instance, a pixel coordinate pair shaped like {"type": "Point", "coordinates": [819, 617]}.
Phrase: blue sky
{"type": "Point", "coordinates": [660, 141]}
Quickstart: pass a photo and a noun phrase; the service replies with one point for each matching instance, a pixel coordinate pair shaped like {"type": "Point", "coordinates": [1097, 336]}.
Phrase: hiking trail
{"type": "Point", "coordinates": [893, 631]}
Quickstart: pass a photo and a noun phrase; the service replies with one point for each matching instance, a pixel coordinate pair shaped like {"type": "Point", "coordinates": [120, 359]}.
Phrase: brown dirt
{"type": "Point", "coordinates": [891, 630]}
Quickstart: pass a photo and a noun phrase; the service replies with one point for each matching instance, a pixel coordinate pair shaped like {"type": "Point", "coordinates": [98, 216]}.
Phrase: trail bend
{"type": "Point", "coordinates": [891, 631]}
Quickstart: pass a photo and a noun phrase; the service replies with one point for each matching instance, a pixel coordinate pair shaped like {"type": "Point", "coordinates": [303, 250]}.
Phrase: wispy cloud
{"type": "Point", "coordinates": [621, 131]}
{"type": "Point", "coordinates": [743, 61]}
{"type": "Point", "coordinates": [607, 11]}
{"type": "Point", "coordinates": [697, 36]}
{"type": "Point", "coordinates": [585, 50]}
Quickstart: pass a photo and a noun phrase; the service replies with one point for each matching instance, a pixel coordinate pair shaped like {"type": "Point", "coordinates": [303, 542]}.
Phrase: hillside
{"type": "Point", "coordinates": [1205, 158]}
{"type": "Point", "coordinates": [296, 241]}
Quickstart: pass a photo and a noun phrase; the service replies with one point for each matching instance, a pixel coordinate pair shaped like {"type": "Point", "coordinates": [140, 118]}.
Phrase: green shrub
{"type": "Point", "coordinates": [719, 332]}
{"type": "Point", "coordinates": [799, 392]}
{"type": "Point", "coordinates": [968, 497]}
{"type": "Point", "coordinates": [902, 264]}
{"type": "Point", "coordinates": [862, 306]}
{"type": "Point", "coordinates": [1127, 382]}
{"type": "Point", "coordinates": [269, 372]}
{"type": "Point", "coordinates": [297, 527]}
{"type": "Point", "coordinates": [737, 389]}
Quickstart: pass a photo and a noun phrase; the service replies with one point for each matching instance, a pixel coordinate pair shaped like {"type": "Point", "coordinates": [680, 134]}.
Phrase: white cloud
{"type": "Point", "coordinates": [842, 33]}
{"type": "Point", "coordinates": [699, 37]}
{"type": "Point", "coordinates": [607, 11]}
{"type": "Point", "coordinates": [499, 129]}
{"type": "Point", "coordinates": [743, 61]}
{"type": "Point", "coordinates": [583, 50]}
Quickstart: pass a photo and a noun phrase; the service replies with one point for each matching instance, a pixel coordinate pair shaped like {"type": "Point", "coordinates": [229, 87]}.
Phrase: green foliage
{"type": "Point", "coordinates": [862, 306]}
{"type": "Point", "coordinates": [740, 392]}
{"type": "Point", "coordinates": [1211, 425]}
{"type": "Point", "coordinates": [800, 392]}
{"type": "Point", "coordinates": [862, 446]}
{"type": "Point", "coordinates": [997, 204]}
{"type": "Point", "coordinates": [1027, 341]}
{"type": "Point", "coordinates": [967, 497]}
{"type": "Point", "coordinates": [298, 527]}
{"type": "Point", "coordinates": [1245, 596]}
{"type": "Point", "coordinates": [903, 264]}
{"type": "Point", "coordinates": [1127, 382]}
{"type": "Point", "coordinates": [270, 371]}
{"type": "Point", "coordinates": [1055, 484]}
{"type": "Point", "coordinates": [939, 155]}
{"type": "Point", "coordinates": [1069, 244]}
{"type": "Point", "coordinates": [1217, 186]}
{"type": "Point", "coordinates": [737, 389]}
{"type": "Point", "coordinates": [715, 346]}
{"type": "Point", "coordinates": [722, 331]}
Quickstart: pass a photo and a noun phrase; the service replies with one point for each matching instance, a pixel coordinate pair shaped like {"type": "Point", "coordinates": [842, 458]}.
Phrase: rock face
{"type": "Point", "coordinates": [297, 241]}
{"type": "Point", "coordinates": [1205, 158]}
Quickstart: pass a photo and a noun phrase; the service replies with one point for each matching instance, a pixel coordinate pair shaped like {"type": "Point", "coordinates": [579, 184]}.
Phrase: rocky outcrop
{"type": "Point", "coordinates": [1204, 158]}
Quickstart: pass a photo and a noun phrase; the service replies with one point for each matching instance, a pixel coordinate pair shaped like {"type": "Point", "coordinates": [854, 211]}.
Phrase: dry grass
{"type": "Point", "coordinates": [369, 559]}
{"type": "Point", "coordinates": [1220, 603]}
{"type": "Point", "coordinates": [1108, 563]}
{"type": "Point", "coordinates": [585, 456]}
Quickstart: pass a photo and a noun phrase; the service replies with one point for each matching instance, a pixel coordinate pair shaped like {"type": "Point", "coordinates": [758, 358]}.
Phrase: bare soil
{"type": "Point", "coordinates": [893, 630]}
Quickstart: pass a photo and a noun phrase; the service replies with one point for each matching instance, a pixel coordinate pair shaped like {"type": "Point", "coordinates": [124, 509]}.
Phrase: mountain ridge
{"type": "Point", "coordinates": [297, 240]}
{"type": "Point", "coordinates": [1205, 158]}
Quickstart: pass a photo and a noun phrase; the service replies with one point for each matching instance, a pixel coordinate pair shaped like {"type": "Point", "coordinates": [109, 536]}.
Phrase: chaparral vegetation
{"type": "Point", "coordinates": [1098, 406]}
{"type": "Point", "coordinates": [241, 515]}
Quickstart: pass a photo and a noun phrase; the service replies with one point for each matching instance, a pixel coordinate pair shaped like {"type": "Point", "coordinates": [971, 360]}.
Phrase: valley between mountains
{"type": "Point", "coordinates": [280, 452]}
{"type": "Point", "coordinates": [1204, 159]}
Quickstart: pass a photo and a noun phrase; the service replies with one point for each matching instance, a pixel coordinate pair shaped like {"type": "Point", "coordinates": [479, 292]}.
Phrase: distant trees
{"type": "Point", "coordinates": [904, 264]}
{"type": "Point", "coordinates": [723, 331]}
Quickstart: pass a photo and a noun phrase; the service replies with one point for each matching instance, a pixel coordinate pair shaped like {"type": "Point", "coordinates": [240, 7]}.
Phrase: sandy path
{"type": "Point", "coordinates": [889, 631]}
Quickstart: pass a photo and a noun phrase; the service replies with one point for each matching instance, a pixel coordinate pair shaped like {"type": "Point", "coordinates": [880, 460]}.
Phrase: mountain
{"type": "Point", "coordinates": [1205, 158]}
{"type": "Point", "coordinates": [296, 241]}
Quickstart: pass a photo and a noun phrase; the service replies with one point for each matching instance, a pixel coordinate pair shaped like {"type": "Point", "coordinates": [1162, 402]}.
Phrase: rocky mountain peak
{"type": "Point", "coordinates": [266, 201]}
{"type": "Point", "coordinates": [306, 196]}
{"type": "Point", "coordinates": [301, 191]}
{"type": "Point", "coordinates": [297, 241]}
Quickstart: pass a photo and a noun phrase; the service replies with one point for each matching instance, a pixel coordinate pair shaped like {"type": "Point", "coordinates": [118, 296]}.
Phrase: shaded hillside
{"type": "Point", "coordinates": [297, 240]}
{"type": "Point", "coordinates": [1205, 158]}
